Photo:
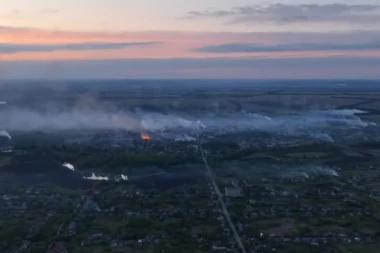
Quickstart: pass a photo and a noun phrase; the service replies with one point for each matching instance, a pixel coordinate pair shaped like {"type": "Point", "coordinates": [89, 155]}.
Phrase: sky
{"type": "Point", "coordinates": [260, 39]}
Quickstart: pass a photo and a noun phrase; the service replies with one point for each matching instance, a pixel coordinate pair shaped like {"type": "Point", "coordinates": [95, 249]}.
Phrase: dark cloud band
{"type": "Point", "coordinates": [296, 47]}
{"type": "Point", "coordinates": [287, 13]}
{"type": "Point", "coordinates": [148, 67]}
{"type": "Point", "coordinates": [9, 48]}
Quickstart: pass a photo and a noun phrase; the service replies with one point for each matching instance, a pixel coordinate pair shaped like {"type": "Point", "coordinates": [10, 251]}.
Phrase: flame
{"type": "Point", "coordinates": [145, 137]}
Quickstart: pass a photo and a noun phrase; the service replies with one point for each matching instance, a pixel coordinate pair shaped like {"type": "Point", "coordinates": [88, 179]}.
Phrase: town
{"type": "Point", "coordinates": [205, 179]}
{"type": "Point", "coordinates": [310, 211]}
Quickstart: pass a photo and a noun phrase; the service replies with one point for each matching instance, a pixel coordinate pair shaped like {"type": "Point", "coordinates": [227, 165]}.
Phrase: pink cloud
{"type": "Point", "coordinates": [176, 44]}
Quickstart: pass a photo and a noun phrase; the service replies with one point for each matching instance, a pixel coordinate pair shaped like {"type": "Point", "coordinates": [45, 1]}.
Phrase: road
{"type": "Point", "coordinates": [220, 199]}
{"type": "Point", "coordinates": [64, 221]}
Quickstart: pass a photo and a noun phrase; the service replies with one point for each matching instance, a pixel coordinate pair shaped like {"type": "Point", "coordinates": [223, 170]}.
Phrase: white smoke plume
{"type": "Point", "coordinates": [346, 112]}
{"type": "Point", "coordinates": [5, 134]}
{"type": "Point", "coordinates": [121, 178]}
{"type": "Point", "coordinates": [160, 122]}
{"type": "Point", "coordinates": [22, 119]}
{"type": "Point", "coordinates": [3, 103]}
{"type": "Point", "coordinates": [200, 125]}
{"type": "Point", "coordinates": [184, 137]}
{"type": "Point", "coordinates": [323, 137]}
{"type": "Point", "coordinates": [259, 116]}
{"type": "Point", "coordinates": [288, 123]}
{"type": "Point", "coordinates": [116, 178]}
{"type": "Point", "coordinates": [69, 166]}
{"type": "Point", "coordinates": [331, 172]}
{"type": "Point", "coordinates": [325, 170]}
{"type": "Point", "coordinates": [97, 178]}
{"type": "Point", "coordinates": [308, 171]}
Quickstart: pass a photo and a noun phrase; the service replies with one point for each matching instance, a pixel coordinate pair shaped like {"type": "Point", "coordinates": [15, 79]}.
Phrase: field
{"type": "Point", "coordinates": [202, 95]}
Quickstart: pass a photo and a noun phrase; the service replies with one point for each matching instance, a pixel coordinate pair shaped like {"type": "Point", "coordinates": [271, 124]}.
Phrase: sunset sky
{"type": "Point", "coordinates": [87, 39]}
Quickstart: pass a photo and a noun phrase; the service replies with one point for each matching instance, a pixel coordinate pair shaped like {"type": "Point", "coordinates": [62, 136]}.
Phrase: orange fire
{"type": "Point", "coordinates": [145, 137]}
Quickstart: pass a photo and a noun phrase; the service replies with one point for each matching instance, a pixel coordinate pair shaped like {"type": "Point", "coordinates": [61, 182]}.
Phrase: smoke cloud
{"type": "Point", "coordinates": [308, 171]}
{"type": "Point", "coordinates": [20, 119]}
{"type": "Point", "coordinates": [121, 178]}
{"type": "Point", "coordinates": [5, 134]}
{"type": "Point", "coordinates": [87, 118]}
{"type": "Point", "coordinates": [116, 178]}
{"type": "Point", "coordinates": [323, 137]}
{"type": "Point", "coordinates": [184, 138]}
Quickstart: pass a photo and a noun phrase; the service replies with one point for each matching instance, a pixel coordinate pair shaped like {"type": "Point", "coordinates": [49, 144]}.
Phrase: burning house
{"type": "Point", "coordinates": [145, 137]}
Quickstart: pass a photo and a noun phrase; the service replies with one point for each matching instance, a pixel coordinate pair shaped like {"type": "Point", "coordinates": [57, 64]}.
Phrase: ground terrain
{"type": "Point", "coordinates": [295, 191]}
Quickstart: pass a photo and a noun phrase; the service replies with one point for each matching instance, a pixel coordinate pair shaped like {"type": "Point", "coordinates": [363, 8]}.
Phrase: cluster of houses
{"type": "Point", "coordinates": [18, 204]}
{"type": "Point", "coordinates": [267, 200]}
{"type": "Point", "coordinates": [262, 200]}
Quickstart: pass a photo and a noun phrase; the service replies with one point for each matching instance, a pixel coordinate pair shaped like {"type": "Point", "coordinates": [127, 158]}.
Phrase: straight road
{"type": "Point", "coordinates": [220, 199]}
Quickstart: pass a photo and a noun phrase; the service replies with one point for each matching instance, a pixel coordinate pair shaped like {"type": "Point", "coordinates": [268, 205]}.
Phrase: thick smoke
{"type": "Point", "coordinates": [5, 134]}
{"type": "Point", "coordinates": [160, 122]}
{"type": "Point", "coordinates": [86, 118]}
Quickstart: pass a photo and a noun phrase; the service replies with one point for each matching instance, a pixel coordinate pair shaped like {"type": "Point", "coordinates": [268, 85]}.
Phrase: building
{"type": "Point", "coordinates": [233, 192]}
